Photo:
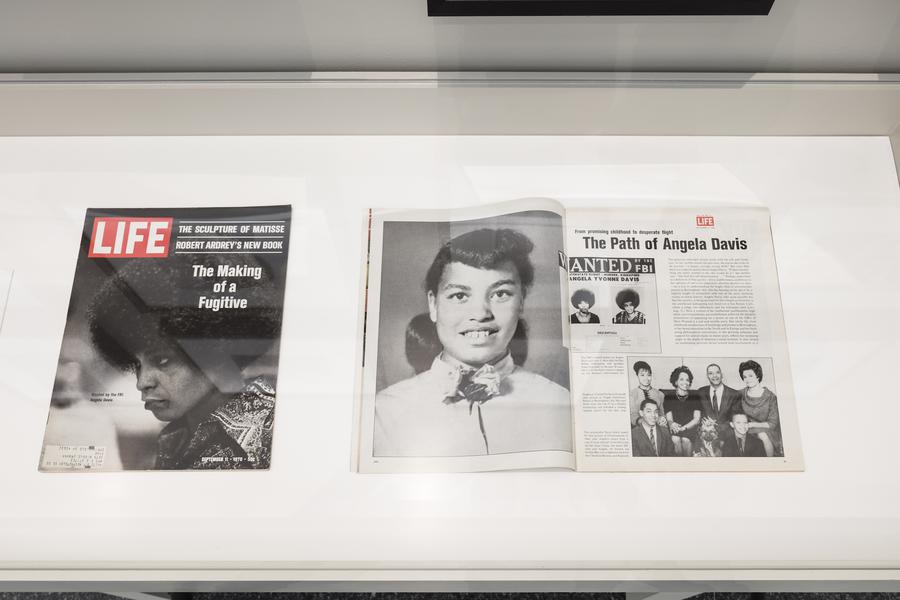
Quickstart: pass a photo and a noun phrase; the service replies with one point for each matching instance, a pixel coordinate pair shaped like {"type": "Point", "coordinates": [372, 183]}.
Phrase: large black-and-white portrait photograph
{"type": "Point", "coordinates": [703, 407]}
{"type": "Point", "coordinates": [470, 345]}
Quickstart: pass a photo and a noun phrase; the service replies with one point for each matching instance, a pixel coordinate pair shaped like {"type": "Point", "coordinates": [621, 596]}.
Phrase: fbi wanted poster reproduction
{"type": "Point", "coordinates": [169, 359]}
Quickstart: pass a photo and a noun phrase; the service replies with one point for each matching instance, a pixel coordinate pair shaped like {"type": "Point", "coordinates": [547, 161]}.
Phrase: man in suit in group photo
{"type": "Point", "coordinates": [739, 443]}
{"type": "Point", "coordinates": [718, 401]}
{"type": "Point", "coordinates": [648, 438]}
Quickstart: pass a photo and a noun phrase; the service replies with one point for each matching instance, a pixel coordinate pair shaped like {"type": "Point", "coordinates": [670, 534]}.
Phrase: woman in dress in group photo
{"type": "Point", "coordinates": [191, 364]}
{"type": "Point", "coordinates": [761, 407]}
{"type": "Point", "coordinates": [471, 394]}
{"type": "Point", "coordinates": [683, 410]}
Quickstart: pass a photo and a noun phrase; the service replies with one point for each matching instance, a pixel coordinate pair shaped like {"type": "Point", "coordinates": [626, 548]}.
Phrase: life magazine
{"type": "Point", "coordinates": [527, 335]}
{"type": "Point", "coordinates": [169, 358]}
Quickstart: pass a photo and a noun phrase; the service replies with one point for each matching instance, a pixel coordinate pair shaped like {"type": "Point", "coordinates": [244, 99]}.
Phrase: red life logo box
{"type": "Point", "coordinates": [130, 237]}
{"type": "Point", "coordinates": [706, 221]}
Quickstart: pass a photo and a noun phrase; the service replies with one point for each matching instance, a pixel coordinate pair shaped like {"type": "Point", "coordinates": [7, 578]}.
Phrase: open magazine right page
{"type": "Point", "coordinates": [679, 356]}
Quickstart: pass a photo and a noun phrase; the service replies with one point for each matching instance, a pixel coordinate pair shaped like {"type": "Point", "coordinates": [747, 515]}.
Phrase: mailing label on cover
{"type": "Point", "coordinates": [73, 457]}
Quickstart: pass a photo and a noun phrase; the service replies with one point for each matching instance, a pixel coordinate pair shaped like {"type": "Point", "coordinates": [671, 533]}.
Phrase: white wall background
{"type": "Point", "coordinates": [305, 35]}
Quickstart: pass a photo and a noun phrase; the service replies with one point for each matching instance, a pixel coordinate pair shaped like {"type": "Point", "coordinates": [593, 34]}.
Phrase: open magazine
{"type": "Point", "coordinates": [529, 335]}
{"type": "Point", "coordinates": [169, 358]}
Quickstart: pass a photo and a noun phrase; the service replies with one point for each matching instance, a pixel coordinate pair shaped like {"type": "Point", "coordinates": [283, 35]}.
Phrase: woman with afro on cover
{"type": "Point", "coordinates": [190, 363]}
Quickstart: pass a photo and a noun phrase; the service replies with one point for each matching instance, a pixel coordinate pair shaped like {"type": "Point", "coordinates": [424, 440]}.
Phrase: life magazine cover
{"type": "Point", "coordinates": [529, 335]}
{"type": "Point", "coordinates": [169, 358]}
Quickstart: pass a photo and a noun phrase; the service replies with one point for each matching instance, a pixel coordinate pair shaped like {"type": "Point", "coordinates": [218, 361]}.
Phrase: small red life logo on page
{"type": "Point", "coordinates": [130, 237]}
{"type": "Point", "coordinates": [706, 221]}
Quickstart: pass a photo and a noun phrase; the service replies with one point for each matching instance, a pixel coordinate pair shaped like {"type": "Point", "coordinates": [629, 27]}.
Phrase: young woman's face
{"type": "Point", "coordinates": [644, 377]}
{"type": "Point", "coordinates": [750, 378]}
{"type": "Point", "coordinates": [628, 306]}
{"type": "Point", "coordinates": [476, 311]}
{"type": "Point", "coordinates": [583, 306]}
{"type": "Point", "coordinates": [169, 383]}
{"type": "Point", "coordinates": [683, 382]}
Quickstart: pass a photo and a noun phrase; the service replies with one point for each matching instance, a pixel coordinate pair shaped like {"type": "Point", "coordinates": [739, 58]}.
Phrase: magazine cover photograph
{"type": "Point", "coordinates": [169, 359]}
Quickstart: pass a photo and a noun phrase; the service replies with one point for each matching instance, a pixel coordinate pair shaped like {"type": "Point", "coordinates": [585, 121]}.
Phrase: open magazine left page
{"type": "Point", "coordinates": [169, 359]}
{"type": "Point", "coordinates": [465, 365]}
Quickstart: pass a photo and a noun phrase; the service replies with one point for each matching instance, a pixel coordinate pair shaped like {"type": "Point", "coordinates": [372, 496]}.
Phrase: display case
{"type": "Point", "coordinates": [815, 149]}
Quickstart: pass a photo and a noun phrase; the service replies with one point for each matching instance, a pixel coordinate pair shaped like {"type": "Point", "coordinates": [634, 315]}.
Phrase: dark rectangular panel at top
{"type": "Point", "coordinates": [495, 8]}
